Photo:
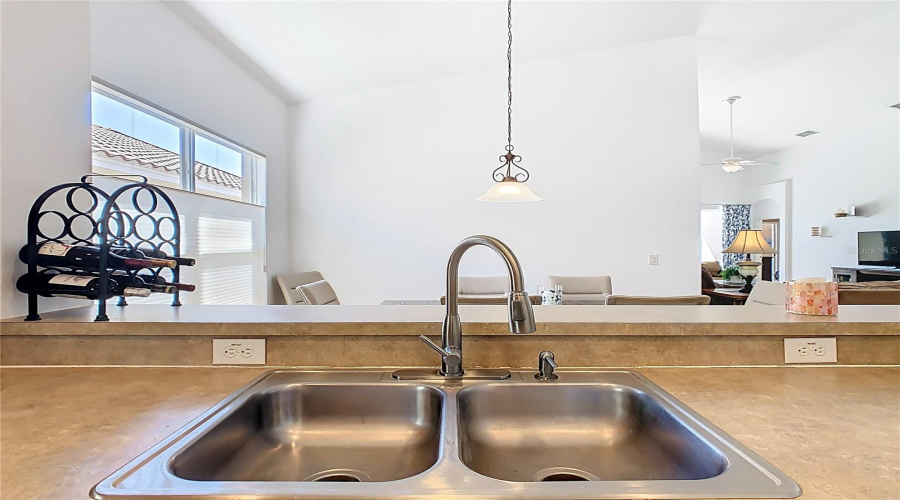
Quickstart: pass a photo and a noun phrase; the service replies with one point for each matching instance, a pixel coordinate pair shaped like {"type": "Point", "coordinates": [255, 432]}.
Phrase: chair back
{"type": "Point", "coordinates": [319, 293]}
{"type": "Point", "coordinates": [767, 293]}
{"type": "Point", "coordinates": [582, 284]}
{"type": "Point", "coordinates": [288, 284]}
{"type": "Point", "coordinates": [484, 286]}
{"type": "Point", "coordinates": [679, 300]}
{"type": "Point", "coordinates": [583, 290]}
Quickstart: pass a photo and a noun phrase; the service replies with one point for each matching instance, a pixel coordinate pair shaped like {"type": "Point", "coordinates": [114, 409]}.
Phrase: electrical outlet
{"type": "Point", "coordinates": [239, 351]}
{"type": "Point", "coordinates": [814, 350]}
{"type": "Point", "coordinates": [653, 260]}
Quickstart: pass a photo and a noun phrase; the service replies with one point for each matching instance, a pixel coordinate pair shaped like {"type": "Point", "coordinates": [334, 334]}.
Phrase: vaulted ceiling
{"type": "Point", "coordinates": [797, 65]}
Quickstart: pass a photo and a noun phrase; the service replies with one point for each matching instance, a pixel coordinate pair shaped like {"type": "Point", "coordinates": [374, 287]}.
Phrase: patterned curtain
{"type": "Point", "coordinates": [734, 218]}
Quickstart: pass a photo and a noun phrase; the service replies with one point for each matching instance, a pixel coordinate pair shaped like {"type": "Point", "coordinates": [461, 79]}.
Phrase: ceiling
{"type": "Point", "coordinates": [823, 66]}
{"type": "Point", "coordinates": [797, 65]}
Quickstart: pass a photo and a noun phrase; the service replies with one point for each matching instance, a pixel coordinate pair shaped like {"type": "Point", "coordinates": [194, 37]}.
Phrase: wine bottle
{"type": "Point", "coordinates": [159, 254]}
{"type": "Point", "coordinates": [184, 287]}
{"type": "Point", "coordinates": [124, 278]}
{"type": "Point", "coordinates": [148, 253]}
{"type": "Point", "coordinates": [78, 286]}
{"type": "Point", "coordinates": [55, 254]}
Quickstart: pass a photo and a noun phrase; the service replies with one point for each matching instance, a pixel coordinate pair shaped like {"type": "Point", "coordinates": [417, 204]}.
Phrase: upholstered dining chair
{"type": "Point", "coordinates": [767, 293]}
{"type": "Point", "coordinates": [483, 286]}
{"type": "Point", "coordinates": [319, 293]}
{"type": "Point", "coordinates": [635, 300]}
{"type": "Point", "coordinates": [584, 290]}
{"type": "Point", "coordinates": [485, 290]}
{"type": "Point", "coordinates": [290, 283]}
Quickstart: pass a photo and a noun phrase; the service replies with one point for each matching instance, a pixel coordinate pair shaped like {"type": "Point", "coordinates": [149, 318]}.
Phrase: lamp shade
{"type": "Point", "coordinates": [749, 241]}
{"type": "Point", "coordinates": [509, 191]}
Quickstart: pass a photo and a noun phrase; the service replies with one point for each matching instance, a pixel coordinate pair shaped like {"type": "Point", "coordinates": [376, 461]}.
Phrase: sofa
{"type": "Point", "coordinates": [869, 293]}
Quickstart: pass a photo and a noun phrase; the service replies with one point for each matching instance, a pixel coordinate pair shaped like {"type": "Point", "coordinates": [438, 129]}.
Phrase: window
{"type": "Point", "coordinates": [226, 238]}
{"type": "Point", "coordinates": [132, 137]}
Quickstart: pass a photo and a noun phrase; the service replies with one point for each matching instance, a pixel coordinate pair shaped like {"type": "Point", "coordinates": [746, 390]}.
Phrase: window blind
{"type": "Point", "coordinates": [228, 240]}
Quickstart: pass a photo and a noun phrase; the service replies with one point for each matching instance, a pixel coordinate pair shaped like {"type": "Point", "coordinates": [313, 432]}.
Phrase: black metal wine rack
{"type": "Point", "coordinates": [149, 229]}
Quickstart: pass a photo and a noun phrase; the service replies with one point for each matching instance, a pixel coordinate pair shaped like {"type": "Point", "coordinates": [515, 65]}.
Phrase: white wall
{"type": "Point", "coordinates": [859, 165]}
{"type": "Point", "coordinates": [46, 132]}
{"type": "Point", "coordinates": [146, 49]}
{"type": "Point", "coordinates": [385, 180]}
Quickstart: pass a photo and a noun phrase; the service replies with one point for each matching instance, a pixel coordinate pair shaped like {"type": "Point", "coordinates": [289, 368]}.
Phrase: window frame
{"type": "Point", "coordinates": [253, 191]}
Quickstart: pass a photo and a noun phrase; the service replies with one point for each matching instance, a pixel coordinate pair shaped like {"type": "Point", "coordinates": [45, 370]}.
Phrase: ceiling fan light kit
{"type": "Point", "coordinates": [734, 163]}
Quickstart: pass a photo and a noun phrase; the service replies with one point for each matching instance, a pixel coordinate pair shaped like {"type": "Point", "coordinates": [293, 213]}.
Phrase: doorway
{"type": "Point", "coordinates": [770, 231]}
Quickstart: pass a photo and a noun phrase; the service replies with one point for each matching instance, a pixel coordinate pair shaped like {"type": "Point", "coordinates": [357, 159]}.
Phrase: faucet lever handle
{"type": "Point", "coordinates": [450, 355]}
{"type": "Point", "coordinates": [546, 365]}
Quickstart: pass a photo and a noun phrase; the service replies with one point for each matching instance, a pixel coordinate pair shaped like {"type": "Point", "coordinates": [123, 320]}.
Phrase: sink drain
{"type": "Point", "coordinates": [563, 474]}
{"type": "Point", "coordinates": [339, 476]}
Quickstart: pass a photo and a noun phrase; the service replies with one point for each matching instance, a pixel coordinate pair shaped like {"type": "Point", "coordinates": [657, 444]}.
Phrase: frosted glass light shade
{"type": "Point", "coordinates": [732, 166]}
{"type": "Point", "coordinates": [509, 191]}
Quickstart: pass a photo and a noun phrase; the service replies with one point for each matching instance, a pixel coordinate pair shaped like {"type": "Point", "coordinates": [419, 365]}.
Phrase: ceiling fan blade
{"type": "Point", "coordinates": [711, 164]}
{"type": "Point", "coordinates": [751, 162]}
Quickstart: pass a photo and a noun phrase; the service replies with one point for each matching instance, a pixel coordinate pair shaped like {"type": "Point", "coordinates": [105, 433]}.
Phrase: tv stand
{"type": "Point", "coordinates": [862, 274]}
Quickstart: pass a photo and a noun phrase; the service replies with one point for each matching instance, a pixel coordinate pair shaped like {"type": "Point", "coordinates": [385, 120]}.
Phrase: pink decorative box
{"type": "Point", "coordinates": [806, 297]}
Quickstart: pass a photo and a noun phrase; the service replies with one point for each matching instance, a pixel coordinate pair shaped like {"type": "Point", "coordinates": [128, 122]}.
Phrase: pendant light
{"type": "Point", "coordinates": [509, 185]}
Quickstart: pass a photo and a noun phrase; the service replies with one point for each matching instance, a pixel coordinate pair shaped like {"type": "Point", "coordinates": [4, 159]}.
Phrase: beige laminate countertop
{"type": "Point", "coordinates": [835, 430]}
{"type": "Point", "coordinates": [478, 319]}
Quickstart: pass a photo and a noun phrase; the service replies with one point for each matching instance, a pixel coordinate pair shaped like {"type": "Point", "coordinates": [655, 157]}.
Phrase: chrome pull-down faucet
{"type": "Point", "coordinates": [521, 315]}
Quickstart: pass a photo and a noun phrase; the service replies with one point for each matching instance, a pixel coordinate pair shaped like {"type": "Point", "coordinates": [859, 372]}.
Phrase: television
{"type": "Point", "coordinates": [879, 248]}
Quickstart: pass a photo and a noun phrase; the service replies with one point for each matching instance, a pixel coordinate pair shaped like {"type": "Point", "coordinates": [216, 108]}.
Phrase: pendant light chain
{"type": "Point", "coordinates": [509, 170]}
{"type": "Point", "coordinates": [509, 176]}
{"type": "Point", "coordinates": [509, 146]}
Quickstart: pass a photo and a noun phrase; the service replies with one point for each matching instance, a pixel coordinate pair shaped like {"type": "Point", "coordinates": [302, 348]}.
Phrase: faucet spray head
{"type": "Point", "coordinates": [521, 314]}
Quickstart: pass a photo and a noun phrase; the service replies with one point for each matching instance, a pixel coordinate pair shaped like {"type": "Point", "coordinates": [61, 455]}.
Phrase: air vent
{"type": "Point", "coordinates": [897, 106]}
{"type": "Point", "coordinates": [807, 133]}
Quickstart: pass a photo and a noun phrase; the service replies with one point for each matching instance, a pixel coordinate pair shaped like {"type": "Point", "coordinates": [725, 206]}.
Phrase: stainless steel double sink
{"type": "Point", "coordinates": [362, 434]}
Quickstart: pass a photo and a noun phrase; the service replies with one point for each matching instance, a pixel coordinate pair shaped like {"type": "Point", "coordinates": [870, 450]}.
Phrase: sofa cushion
{"type": "Point", "coordinates": [679, 300]}
{"type": "Point", "coordinates": [713, 267]}
{"type": "Point", "coordinates": [584, 299]}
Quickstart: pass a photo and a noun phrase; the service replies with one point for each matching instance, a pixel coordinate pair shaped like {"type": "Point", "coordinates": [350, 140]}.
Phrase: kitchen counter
{"type": "Point", "coordinates": [478, 319]}
{"type": "Point", "coordinates": [834, 430]}
{"type": "Point", "coordinates": [347, 336]}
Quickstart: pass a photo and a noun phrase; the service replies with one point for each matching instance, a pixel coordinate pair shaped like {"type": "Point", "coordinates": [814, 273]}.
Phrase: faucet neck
{"type": "Point", "coordinates": [514, 269]}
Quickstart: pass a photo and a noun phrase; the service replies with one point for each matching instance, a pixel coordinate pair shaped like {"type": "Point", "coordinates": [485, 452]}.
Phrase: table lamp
{"type": "Point", "coordinates": [746, 242]}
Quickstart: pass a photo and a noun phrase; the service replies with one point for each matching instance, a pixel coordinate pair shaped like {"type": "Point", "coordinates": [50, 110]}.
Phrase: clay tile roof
{"type": "Point", "coordinates": [108, 142]}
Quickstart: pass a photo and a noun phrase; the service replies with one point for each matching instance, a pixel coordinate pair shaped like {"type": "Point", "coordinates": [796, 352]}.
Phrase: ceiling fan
{"type": "Point", "coordinates": [735, 163]}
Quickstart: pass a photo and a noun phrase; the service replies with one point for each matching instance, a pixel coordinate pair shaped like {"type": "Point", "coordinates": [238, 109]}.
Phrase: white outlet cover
{"type": "Point", "coordinates": [653, 259]}
{"type": "Point", "coordinates": [239, 351]}
{"type": "Point", "coordinates": [810, 350]}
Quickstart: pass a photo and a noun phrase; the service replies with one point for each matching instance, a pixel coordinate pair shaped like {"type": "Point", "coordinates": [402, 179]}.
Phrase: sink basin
{"type": "Point", "coordinates": [559, 432]}
{"type": "Point", "coordinates": [320, 433]}
{"type": "Point", "coordinates": [344, 434]}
